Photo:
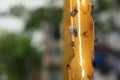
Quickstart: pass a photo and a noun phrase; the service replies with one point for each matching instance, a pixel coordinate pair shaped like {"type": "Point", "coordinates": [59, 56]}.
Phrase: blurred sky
{"type": "Point", "coordinates": [15, 24]}
{"type": "Point", "coordinates": [5, 5]}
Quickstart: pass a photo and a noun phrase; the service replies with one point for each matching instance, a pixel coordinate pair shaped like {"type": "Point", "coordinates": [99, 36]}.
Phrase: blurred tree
{"type": "Point", "coordinates": [51, 15]}
{"type": "Point", "coordinates": [18, 10]}
{"type": "Point", "coordinates": [18, 58]}
{"type": "Point", "coordinates": [104, 5]}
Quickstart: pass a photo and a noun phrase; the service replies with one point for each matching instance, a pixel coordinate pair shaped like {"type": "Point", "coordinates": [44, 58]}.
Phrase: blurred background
{"type": "Point", "coordinates": [30, 41]}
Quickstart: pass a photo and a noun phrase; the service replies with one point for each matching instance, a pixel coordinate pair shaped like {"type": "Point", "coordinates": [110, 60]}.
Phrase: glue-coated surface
{"type": "Point", "coordinates": [78, 59]}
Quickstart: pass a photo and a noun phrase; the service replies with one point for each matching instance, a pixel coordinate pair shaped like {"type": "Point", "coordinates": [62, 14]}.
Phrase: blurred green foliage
{"type": "Point", "coordinates": [103, 6]}
{"type": "Point", "coordinates": [106, 4]}
{"type": "Point", "coordinates": [51, 15]}
{"type": "Point", "coordinates": [17, 57]}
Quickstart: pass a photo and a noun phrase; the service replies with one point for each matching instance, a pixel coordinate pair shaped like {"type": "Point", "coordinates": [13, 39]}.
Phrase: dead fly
{"type": "Point", "coordinates": [94, 63]}
{"type": "Point", "coordinates": [73, 31]}
{"type": "Point", "coordinates": [92, 7]}
{"type": "Point", "coordinates": [72, 43]}
{"type": "Point", "coordinates": [96, 42]}
{"type": "Point", "coordinates": [68, 66]}
{"type": "Point", "coordinates": [73, 13]}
